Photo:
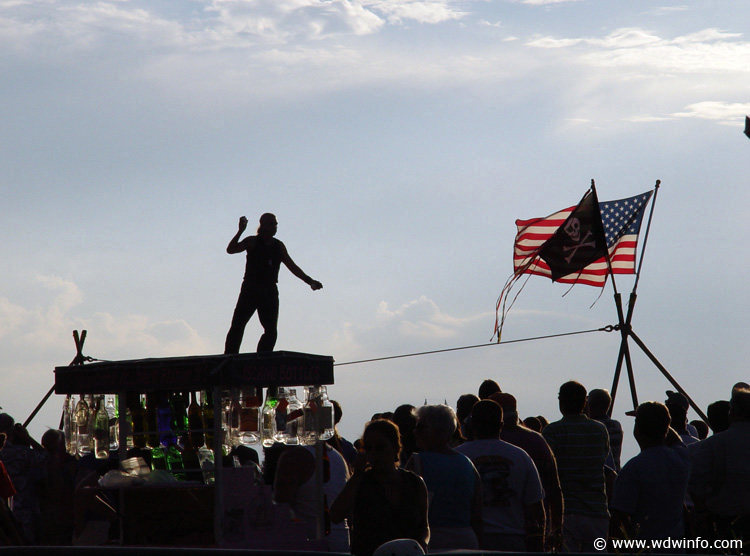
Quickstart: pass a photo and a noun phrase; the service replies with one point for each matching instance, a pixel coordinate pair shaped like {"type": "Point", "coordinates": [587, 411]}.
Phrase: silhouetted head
{"type": "Point", "coordinates": [464, 404]}
{"type": "Point", "coordinates": [337, 412]}
{"type": "Point", "coordinates": [435, 426]}
{"type": "Point", "coordinates": [718, 415]}
{"type": "Point", "coordinates": [53, 441]}
{"type": "Point", "coordinates": [405, 417]}
{"type": "Point", "coordinates": [572, 398]}
{"type": "Point", "coordinates": [739, 405]}
{"type": "Point", "coordinates": [268, 225]}
{"type": "Point", "coordinates": [599, 401]}
{"type": "Point", "coordinates": [701, 427]}
{"type": "Point", "coordinates": [6, 423]}
{"type": "Point", "coordinates": [651, 424]}
{"type": "Point", "coordinates": [533, 423]}
{"type": "Point", "coordinates": [509, 405]}
{"type": "Point", "coordinates": [382, 437]}
{"type": "Point", "coordinates": [677, 404]}
{"type": "Point", "coordinates": [487, 388]}
{"type": "Point", "coordinates": [487, 419]}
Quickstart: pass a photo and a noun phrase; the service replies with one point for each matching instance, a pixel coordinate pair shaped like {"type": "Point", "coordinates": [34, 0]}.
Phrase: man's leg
{"type": "Point", "coordinates": [242, 313]}
{"type": "Point", "coordinates": [268, 314]}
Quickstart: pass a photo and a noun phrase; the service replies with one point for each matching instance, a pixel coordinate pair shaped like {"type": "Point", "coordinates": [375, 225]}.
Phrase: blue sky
{"type": "Point", "coordinates": [397, 142]}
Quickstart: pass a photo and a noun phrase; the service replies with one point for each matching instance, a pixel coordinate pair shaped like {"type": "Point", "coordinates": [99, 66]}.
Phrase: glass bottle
{"type": "Point", "coordinates": [206, 459]}
{"type": "Point", "coordinates": [207, 408]}
{"type": "Point", "coordinates": [175, 462]}
{"type": "Point", "coordinates": [269, 417]}
{"type": "Point", "coordinates": [152, 420]}
{"type": "Point", "coordinates": [233, 419]}
{"type": "Point", "coordinates": [178, 401]}
{"type": "Point", "coordinates": [326, 414]}
{"type": "Point", "coordinates": [101, 430]}
{"type": "Point", "coordinates": [83, 431]}
{"type": "Point", "coordinates": [114, 423]}
{"type": "Point", "coordinates": [294, 419]}
{"type": "Point", "coordinates": [69, 429]}
{"type": "Point", "coordinates": [158, 458]}
{"type": "Point", "coordinates": [138, 416]}
{"type": "Point", "coordinates": [164, 419]}
{"type": "Point", "coordinates": [195, 422]}
{"type": "Point", "coordinates": [249, 429]}
{"type": "Point", "coordinates": [281, 415]}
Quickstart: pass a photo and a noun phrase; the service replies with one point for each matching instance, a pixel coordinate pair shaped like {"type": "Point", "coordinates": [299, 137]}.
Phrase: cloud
{"type": "Point", "coordinates": [42, 334]}
{"type": "Point", "coordinates": [415, 325]}
{"type": "Point", "coordinates": [723, 112]}
{"type": "Point", "coordinates": [420, 11]}
{"type": "Point", "coordinates": [709, 50]}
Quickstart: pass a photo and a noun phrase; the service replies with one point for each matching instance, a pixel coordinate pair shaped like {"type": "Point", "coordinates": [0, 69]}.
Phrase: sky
{"type": "Point", "coordinates": [396, 142]}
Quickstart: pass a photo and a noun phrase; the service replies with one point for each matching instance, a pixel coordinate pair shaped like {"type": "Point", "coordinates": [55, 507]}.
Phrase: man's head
{"type": "Point", "coordinates": [510, 408]}
{"type": "Point", "coordinates": [651, 424]}
{"type": "Point", "coordinates": [599, 401]}
{"type": "Point", "coordinates": [487, 388]}
{"type": "Point", "coordinates": [268, 225]}
{"type": "Point", "coordinates": [677, 404]}
{"type": "Point", "coordinates": [718, 415]}
{"type": "Point", "coordinates": [739, 405]}
{"type": "Point", "coordinates": [486, 419]}
{"type": "Point", "coordinates": [572, 398]}
{"type": "Point", "coordinates": [435, 425]}
{"type": "Point", "coordinates": [6, 423]}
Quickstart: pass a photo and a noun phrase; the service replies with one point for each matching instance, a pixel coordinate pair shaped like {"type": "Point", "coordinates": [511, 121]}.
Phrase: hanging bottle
{"type": "Point", "coordinates": [195, 422]}
{"type": "Point", "coordinates": [207, 408]}
{"type": "Point", "coordinates": [164, 419]}
{"type": "Point", "coordinates": [226, 418]}
{"type": "Point", "coordinates": [235, 415]}
{"type": "Point", "coordinates": [179, 404]}
{"type": "Point", "coordinates": [326, 415]}
{"type": "Point", "coordinates": [114, 423]}
{"type": "Point", "coordinates": [152, 420]}
{"type": "Point", "coordinates": [69, 429]}
{"type": "Point", "coordinates": [294, 419]}
{"type": "Point", "coordinates": [139, 421]}
{"type": "Point", "coordinates": [83, 430]}
{"type": "Point", "coordinates": [249, 429]}
{"type": "Point", "coordinates": [175, 462]}
{"type": "Point", "coordinates": [101, 429]}
{"type": "Point", "coordinates": [281, 415]}
{"type": "Point", "coordinates": [269, 416]}
{"type": "Point", "coordinates": [206, 459]}
{"type": "Point", "coordinates": [158, 458]}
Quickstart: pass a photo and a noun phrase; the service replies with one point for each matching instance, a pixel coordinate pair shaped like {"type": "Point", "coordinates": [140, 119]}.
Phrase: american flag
{"type": "Point", "coordinates": [622, 224]}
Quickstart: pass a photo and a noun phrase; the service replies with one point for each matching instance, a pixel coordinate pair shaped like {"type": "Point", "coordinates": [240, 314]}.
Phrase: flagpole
{"type": "Point", "coordinates": [624, 328]}
{"type": "Point", "coordinates": [645, 237]}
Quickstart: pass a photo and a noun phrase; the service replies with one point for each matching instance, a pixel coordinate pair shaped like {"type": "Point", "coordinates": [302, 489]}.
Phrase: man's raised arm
{"type": "Point", "coordinates": [235, 245]}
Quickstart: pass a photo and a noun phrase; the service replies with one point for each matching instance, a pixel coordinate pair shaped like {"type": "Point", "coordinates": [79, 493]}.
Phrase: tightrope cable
{"type": "Point", "coordinates": [608, 328]}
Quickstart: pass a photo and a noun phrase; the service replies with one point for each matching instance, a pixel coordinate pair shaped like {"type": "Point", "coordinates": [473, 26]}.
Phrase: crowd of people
{"type": "Point", "coordinates": [474, 478]}
{"type": "Point", "coordinates": [480, 478]}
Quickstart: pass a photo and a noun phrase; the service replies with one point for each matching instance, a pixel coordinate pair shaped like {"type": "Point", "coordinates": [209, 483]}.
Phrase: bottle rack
{"type": "Point", "coordinates": [193, 373]}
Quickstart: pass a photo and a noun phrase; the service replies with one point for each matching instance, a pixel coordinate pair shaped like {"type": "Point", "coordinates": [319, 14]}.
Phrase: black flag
{"type": "Point", "coordinates": [578, 242]}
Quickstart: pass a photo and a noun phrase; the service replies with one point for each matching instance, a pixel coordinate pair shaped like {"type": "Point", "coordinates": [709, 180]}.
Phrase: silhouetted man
{"type": "Point", "coordinates": [259, 291]}
{"type": "Point", "coordinates": [580, 446]}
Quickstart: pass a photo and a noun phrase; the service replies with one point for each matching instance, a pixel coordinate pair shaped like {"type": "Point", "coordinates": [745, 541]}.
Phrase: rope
{"type": "Point", "coordinates": [608, 328]}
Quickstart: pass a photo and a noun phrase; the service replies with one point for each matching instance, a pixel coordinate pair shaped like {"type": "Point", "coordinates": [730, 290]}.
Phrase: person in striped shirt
{"type": "Point", "coordinates": [580, 446]}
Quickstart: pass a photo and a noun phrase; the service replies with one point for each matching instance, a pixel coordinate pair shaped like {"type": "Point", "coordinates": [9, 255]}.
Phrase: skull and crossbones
{"type": "Point", "coordinates": [573, 229]}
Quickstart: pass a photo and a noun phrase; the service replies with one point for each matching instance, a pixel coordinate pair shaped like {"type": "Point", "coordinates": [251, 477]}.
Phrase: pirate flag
{"type": "Point", "coordinates": [578, 242]}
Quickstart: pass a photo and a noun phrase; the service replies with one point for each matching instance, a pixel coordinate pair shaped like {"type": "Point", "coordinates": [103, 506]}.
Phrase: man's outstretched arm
{"type": "Point", "coordinates": [297, 271]}
{"type": "Point", "coordinates": [235, 245]}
